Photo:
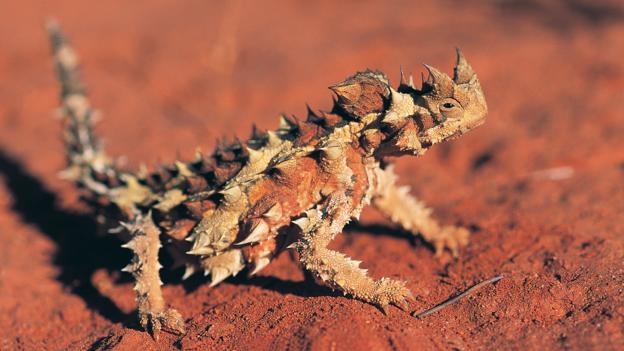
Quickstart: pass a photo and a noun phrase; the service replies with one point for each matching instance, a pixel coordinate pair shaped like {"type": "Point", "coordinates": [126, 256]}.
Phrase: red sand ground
{"type": "Point", "coordinates": [171, 75]}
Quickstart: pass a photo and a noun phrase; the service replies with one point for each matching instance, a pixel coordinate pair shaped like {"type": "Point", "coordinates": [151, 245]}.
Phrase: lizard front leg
{"type": "Point", "coordinates": [398, 205]}
{"type": "Point", "coordinates": [145, 244]}
{"type": "Point", "coordinates": [336, 270]}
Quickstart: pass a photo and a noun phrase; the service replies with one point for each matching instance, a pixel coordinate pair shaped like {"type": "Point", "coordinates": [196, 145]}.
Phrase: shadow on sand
{"type": "Point", "coordinates": [79, 250]}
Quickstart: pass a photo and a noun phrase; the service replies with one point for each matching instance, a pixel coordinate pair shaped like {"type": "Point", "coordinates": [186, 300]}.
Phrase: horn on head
{"type": "Point", "coordinates": [463, 72]}
{"type": "Point", "coordinates": [439, 82]}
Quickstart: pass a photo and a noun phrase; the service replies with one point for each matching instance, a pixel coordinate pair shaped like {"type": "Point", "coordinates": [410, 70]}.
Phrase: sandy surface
{"type": "Point", "coordinates": [541, 184]}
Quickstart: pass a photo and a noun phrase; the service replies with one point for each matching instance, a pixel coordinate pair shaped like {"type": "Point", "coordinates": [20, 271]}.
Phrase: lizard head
{"type": "Point", "coordinates": [442, 109]}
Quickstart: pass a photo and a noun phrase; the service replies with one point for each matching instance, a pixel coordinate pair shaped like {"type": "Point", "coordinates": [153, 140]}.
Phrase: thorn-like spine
{"type": "Point", "coordinates": [254, 155]}
{"type": "Point", "coordinates": [130, 245]}
{"type": "Point", "coordinates": [259, 230]}
{"type": "Point", "coordinates": [273, 138]}
{"type": "Point", "coordinates": [463, 72]}
{"type": "Point", "coordinates": [274, 213]}
{"type": "Point", "coordinates": [396, 97]}
{"type": "Point", "coordinates": [200, 251]}
{"type": "Point", "coordinates": [402, 81]}
{"type": "Point", "coordinates": [116, 230]}
{"type": "Point", "coordinates": [312, 117]}
{"type": "Point", "coordinates": [232, 194]}
{"type": "Point", "coordinates": [440, 82]}
{"type": "Point", "coordinates": [198, 156]}
{"type": "Point", "coordinates": [285, 165]}
{"type": "Point", "coordinates": [286, 124]}
{"type": "Point", "coordinates": [217, 275]}
{"type": "Point", "coordinates": [302, 223]}
{"type": "Point", "coordinates": [188, 271]}
{"type": "Point", "coordinates": [183, 169]}
{"type": "Point", "coordinates": [332, 150]}
{"type": "Point", "coordinates": [259, 265]}
{"type": "Point", "coordinates": [128, 226]}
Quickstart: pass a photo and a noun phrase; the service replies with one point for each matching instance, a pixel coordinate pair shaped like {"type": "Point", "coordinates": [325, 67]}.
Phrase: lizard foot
{"type": "Point", "coordinates": [170, 320]}
{"type": "Point", "coordinates": [392, 292]}
{"type": "Point", "coordinates": [450, 237]}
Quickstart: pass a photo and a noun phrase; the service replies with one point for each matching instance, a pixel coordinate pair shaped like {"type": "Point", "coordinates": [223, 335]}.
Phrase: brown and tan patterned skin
{"type": "Point", "coordinates": [294, 188]}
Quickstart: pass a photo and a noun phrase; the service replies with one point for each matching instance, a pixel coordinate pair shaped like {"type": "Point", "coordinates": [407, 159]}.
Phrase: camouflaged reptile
{"type": "Point", "coordinates": [294, 188]}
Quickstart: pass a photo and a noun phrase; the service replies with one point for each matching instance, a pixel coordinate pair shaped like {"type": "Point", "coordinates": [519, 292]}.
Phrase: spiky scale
{"type": "Point", "coordinates": [188, 271]}
{"type": "Point", "coordinates": [440, 82]}
{"type": "Point", "coordinates": [130, 245]}
{"type": "Point", "coordinates": [284, 166]}
{"type": "Point", "coordinates": [259, 230]}
{"type": "Point", "coordinates": [302, 223]}
{"type": "Point", "coordinates": [217, 275]}
{"type": "Point", "coordinates": [273, 138]}
{"type": "Point", "coordinates": [287, 124]}
{"type": "Point", "coordinates": [332, 150]}
{"type": "Point", "coordinates": [232, 194]}
{"type": "Point", "coordinates": [259, 265]}
{"type": "Point", "coordinates": [312, 117]}
{"type": "Point", "coordinates": [274, 213]}
{"type": "Point", "coordinates": [463, 72]}
{"type": "Point", "coordinates": [183, 169]}
{"type": "Point", "coordinates": [200, 250]}
{"type": "Point", "coordinates": [254, 155]}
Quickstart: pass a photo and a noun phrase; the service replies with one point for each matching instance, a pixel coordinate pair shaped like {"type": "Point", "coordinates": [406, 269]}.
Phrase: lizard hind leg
{"type": "Point", "coordinates": [337, 271]}
{"type": "Point", "coordinates": [144, 267]}
{"type": "Point", "coordinates": [397, 204]}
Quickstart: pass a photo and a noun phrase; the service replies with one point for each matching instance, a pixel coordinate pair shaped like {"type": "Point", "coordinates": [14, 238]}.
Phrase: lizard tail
{"type": "Point", "coordinates": [87, 163]}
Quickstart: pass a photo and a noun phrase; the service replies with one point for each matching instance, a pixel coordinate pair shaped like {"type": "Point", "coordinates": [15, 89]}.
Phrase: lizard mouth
{"type": "Point", "coordinates": [448, 130]}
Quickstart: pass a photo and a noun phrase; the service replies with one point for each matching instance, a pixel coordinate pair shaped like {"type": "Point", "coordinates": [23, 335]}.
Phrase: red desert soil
{"type": "Point", "coordinates": [541, 184]}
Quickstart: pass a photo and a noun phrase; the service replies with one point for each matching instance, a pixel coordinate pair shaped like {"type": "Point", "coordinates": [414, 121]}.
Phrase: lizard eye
{"type": "Point", "coordinates": [450, 108]}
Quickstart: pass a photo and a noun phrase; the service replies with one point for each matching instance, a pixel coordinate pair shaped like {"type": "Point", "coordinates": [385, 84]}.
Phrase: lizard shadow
{"type": "Point", "coordinates": [387, 230]}
{"type": "Point", "coordinates": [304, 288]}
{"type": "Point", "coordinates": [79, 250]}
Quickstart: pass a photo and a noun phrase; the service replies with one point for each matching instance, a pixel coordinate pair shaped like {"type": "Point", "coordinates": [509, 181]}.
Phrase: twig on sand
{"type": "Point", "coordinates": [456, 298]}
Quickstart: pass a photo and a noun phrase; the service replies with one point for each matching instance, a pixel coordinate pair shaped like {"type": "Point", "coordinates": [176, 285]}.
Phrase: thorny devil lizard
{"type": "Point", "coordinates": [294, 188]}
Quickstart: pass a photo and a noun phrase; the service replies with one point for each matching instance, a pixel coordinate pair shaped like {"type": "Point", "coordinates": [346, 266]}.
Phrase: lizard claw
{"type": "Point", "coordinates": [392, 292]}
{"type": "Point", "coordinates": [450, 237]}
{"type": "Point", "coordinates": [403, 304]}
{"type": "Point", "coordinates": [170, 320]}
